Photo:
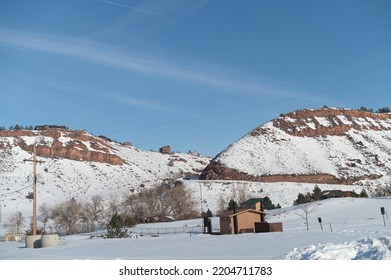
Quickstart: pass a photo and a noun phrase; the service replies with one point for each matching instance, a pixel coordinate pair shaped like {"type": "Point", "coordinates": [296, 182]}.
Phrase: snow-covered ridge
{"type": "Point", "coordinates": [325, 145]}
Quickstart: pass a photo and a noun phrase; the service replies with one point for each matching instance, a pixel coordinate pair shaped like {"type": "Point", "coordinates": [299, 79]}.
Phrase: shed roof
{"type": "Point", "coordinates": [251, 201]}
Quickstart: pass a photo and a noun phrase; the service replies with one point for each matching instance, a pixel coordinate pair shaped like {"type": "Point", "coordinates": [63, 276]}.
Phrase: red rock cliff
{"type": "Point", "coordinates": [69, 144]}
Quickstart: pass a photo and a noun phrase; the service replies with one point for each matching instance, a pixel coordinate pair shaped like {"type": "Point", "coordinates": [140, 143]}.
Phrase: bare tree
{"type": "Point", "coordinates": [381, 191]}
{"type": "Point", "coordinates": [303, 210]}
{"type": "Point", "coordinates": [136, 206]}
{"type": "Point", "coordinates": [161, 193]}
{"type": "Point", "coordinates": [165, 198]}
{"type": "Point", "coordinates": [16, 222]}
{"type": "Point", "coordinates": [148, 198]}
{"type": "Point", "coordinates": [181, 201]}
{"type": "Point", "coordinates": [240, 192]}
{"type": "Point", "coordinates": [67, 215]}
{"type": "Point", "coordinates": [222, 204]}
{"type": "Point", "coordinates": [44, 215]}
{"type": "Point", "coordinates": [113, 205]}
{"type": "Point", "coordinates": [93, 212]}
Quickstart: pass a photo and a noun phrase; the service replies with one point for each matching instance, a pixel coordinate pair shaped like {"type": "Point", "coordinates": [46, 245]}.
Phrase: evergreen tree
{"type": "Point", "coordinates": [317, 193]}
{"type": "Point", "coordinates": [363, 193]}
{"type": "Point", "coordinates": [383, 110]}
{"type": "Point", "coordinates": [267, 203]}
{"type": "Point", "coordinates": [301, 198]}
{"type": "Point", "coordinates": [232, 205]}
{"type": "Point", "coordinates": [115, 228]}
{"type": "Point", "coordinates": [209, 213]}
{"type": "Point", "coordinates": [362, 108]}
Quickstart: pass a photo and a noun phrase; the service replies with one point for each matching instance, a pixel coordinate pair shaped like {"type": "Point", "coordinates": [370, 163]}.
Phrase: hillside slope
{"type": "Point", "coordinates": [328, 145]}
{"type": "Point", "coordinates": [79, 164]}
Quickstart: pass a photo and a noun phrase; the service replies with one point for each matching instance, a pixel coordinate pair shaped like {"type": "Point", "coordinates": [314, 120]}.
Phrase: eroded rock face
{"type": "Point", "coordinates": [277, 138]}
{"type": "Point", "coordinates": [330, 121]}
{"type": "Point", "coordinates": [217, 171]}
{"type": "Point", "coordinates": [69, 144]}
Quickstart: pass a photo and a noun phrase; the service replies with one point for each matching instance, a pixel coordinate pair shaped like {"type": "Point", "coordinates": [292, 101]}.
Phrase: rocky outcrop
{"type": "Point", "coordinates": [217, 171]}
{"type": "Point", "coordinates": [330, 121]}
{"type": "Point", "coordinates": [165, 150]}
{"type": "Point", "coordinates": [69, 144]}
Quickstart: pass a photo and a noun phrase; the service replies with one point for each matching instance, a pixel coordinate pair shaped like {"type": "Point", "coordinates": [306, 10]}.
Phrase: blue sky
{"type": "Point", "coordinates": [195, 75]}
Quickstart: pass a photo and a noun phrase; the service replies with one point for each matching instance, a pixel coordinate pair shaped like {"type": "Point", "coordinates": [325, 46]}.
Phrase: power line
{"type": "Point", "coordinates": [14, 191]}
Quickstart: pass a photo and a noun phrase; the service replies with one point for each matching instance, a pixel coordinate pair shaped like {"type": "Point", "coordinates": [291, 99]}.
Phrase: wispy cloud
{"type": "Point", "coordinates": [129, 7]}
{"type": "Point", "coordinates": [123, 99]}
{"type": "Point", "coordinates": [134, 102]}
{"type": "Point", "coordinates": [152, 65]}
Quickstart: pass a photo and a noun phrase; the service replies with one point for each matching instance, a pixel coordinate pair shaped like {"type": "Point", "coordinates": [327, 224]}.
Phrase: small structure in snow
{"type": "Point", "coordinates": [250, 217]}
{"type": "Point", "coordinates": [338, 193]}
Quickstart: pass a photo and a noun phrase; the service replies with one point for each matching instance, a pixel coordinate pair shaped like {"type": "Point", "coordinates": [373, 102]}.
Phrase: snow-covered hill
{"type": "Point", "coordinates": [78, 164]}
{"type": "Point", "coordinates": [337, 146]}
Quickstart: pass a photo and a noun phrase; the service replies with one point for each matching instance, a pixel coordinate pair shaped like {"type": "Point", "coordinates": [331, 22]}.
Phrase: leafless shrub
{"type": "Point", "coordinates": [303, 210]}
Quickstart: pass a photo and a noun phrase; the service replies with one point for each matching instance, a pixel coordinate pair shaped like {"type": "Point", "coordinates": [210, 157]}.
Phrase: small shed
{"type": "Point", "coordinates": [240, 222]}
{"type": "Point", "coordinates": [250, 217]}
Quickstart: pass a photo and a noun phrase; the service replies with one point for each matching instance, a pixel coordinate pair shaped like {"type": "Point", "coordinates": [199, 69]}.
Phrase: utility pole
{"type": "Point", "coordinates": [35, 161]}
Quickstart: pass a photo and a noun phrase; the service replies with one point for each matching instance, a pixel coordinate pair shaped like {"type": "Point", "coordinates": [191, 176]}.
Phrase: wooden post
{"type": "Point", "coordinates": [35, 161]}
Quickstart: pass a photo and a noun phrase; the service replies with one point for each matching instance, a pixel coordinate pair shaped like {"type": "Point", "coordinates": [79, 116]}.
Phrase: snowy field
{"type": "Point", "coordinates": [353, 228]}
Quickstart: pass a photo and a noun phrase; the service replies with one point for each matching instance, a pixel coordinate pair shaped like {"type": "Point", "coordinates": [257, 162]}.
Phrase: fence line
{"type": "Point", "coordinates": [162, 230]}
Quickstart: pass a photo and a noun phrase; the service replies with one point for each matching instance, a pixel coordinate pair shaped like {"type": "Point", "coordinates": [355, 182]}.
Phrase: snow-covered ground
{"type": "Point", "coordinates": [353, 228]}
